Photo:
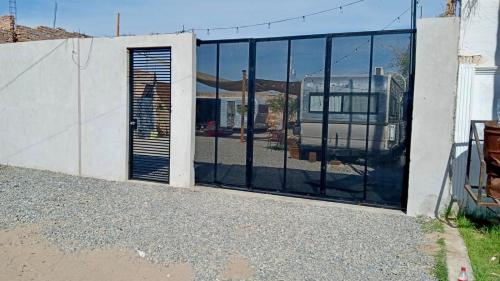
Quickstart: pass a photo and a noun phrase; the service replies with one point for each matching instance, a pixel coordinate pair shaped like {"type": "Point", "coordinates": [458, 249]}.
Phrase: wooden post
{"type": "Point", "coordinates": [451, 8]}
{"type": "Point", "coordinates": [118, 25]}
{"type": "Point", "coordinates": [243, 104]}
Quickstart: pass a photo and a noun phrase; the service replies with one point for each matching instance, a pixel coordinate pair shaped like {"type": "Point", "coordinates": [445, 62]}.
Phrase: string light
{"type": "Point", "coordinates": [268, 23]}
{"type": "Point", "coordinates": [396, 19]}
{"type": "Point", "coordinates": [356, 49]}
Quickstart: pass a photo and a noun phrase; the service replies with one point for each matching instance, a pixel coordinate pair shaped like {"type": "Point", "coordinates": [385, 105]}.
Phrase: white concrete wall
{"type": "Point", "coordinates": [433, 115]}
{"type": "Point", "coordinates": [478, 84]}
{"type": "Point", "coordinates": [480, 37]}
{"type": "Point", "coordinates": [479, 30]}
{"type": "Point", "coordinates": [39, 105]}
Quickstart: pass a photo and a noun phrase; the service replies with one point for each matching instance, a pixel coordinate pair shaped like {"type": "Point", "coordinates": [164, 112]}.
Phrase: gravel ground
{"type": "Point", "coordinates": [282, 239]}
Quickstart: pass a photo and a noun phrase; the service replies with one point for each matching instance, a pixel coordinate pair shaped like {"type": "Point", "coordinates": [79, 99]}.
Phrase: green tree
{"type": "Point", "coordinates": [277, 105]}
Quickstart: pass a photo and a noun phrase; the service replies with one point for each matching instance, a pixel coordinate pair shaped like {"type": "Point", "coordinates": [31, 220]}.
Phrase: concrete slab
{"type": "Point", "coordinates": [456, 253]}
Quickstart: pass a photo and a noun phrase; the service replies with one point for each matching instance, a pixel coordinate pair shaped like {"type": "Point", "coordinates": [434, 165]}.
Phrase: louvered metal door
{"type": "Point", "coordinates": [150, 96]}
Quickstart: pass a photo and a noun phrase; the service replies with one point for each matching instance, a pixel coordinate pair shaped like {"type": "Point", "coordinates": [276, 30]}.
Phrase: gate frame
{"type": "Point", "coordinates": [252, 42]}
{"type": "Point", "coordinates": [130, 133]}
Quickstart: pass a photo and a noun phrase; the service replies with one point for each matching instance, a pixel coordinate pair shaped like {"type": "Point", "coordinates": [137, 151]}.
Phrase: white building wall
{"type": "Point", "coordinates": [478, 82]}
{"type": "Point", "coordinates": [40, 109]}
{"type": "Point", "coordinates": [479, 30]}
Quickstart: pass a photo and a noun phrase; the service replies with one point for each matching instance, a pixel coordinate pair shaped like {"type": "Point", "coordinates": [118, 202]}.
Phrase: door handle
{"type": "Point", "coordinates": [133, 124]}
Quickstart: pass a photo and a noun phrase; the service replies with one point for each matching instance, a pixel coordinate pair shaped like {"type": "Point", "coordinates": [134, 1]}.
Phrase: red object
{"type": "Point", "coordinates": [211, 132]}
{"type": "Point", "coordinates": [492, 158]}
{"type": "Point", "coordinates": [463, 274]}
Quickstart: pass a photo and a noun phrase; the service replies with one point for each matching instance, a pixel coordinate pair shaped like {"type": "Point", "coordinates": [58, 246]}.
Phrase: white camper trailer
{"type": "Point", "coordinates": [348, 117]}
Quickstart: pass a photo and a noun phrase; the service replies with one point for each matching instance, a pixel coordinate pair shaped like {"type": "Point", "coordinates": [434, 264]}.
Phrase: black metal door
{"type": "Point", "coordinates": [150, 102]}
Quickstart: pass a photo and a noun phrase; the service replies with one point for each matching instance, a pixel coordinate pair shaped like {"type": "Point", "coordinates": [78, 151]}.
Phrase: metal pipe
{"type": "Point", "coordinates": [118, 25]}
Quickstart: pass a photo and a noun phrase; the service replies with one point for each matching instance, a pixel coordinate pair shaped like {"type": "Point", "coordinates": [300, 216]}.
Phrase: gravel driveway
{"type": "Point", "coordinates": [279, 238]}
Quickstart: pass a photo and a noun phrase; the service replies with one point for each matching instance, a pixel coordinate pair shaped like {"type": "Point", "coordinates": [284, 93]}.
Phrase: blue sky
{"type": "Point", "coordinates": [97, 17]}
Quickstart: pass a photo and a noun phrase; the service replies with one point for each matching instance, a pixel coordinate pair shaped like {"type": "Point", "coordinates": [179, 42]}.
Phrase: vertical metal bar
{"type": "Point", "coordinates": [169, 105]}
{"type": "Point", "coordinates": [409, 111]}
{"type": "Point", "coordinates": [326, 109]}
{"type": "Point", "coordinates": [370, 75]}
{"type": "Point", "coordinates": [131, 113]}
{"type": "Point", "coordinates": [414, 14]}
{"type": "Point", "coordinates": [480, 187]}
{"type": "Point", "coordinates": [409, 105]}
{"type": "Point", "coordinates": [285, 115]}
{"type": "Point", "coordinates": [217, 112]}
{"type": "Point", "coordinates": [467, 172]}
{"type": "Point", "coordinates": [250, 112]}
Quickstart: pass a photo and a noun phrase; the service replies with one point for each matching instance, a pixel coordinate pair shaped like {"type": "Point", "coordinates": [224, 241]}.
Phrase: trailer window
{"type": "Point", "coordinates": [393, 108]}
{"type": "Point", "coordinates": [344, 103]}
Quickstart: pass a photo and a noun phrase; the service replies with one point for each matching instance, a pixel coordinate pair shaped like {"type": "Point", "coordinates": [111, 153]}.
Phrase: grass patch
{"type": "Point", "coordinates": [482, 239]}
{"type": "Point", "coordinates": [440, 268]}
{"type": "Point", "coordinates": [431, 226]}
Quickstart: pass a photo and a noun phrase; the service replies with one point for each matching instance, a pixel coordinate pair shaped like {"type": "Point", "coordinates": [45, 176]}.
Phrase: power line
{"type": "Point", "coordinates": [269, 23]}
{"type": "Point", "coordinates": [398, 18]}
{"type": "Point", "coordinates": [355, 50]}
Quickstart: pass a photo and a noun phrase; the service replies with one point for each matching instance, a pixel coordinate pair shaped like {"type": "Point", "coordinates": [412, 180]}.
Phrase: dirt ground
{"type": "Point", "coordinates": [26, 255]}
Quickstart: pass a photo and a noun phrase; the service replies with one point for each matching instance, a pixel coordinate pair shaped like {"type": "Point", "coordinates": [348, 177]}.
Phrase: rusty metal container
{"type": "Point", "coordinates": [492, 158]}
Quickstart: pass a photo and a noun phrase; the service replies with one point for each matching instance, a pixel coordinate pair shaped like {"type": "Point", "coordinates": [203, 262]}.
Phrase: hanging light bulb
{"type": "Point", "coordinates": [237, 29]}
{"type": "Point", "coordinates": [268, 25]}
{"type": "Point", "coordinates": [208, 31]}
{"type": "Point", "coordinates": [303, 18]}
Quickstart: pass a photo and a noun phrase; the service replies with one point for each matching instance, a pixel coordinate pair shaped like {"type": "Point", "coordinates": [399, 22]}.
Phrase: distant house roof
{"type": "Point", "coordinates": [10, 32]}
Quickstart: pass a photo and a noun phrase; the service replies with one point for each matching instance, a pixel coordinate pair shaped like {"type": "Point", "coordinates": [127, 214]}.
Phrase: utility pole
{"type": "Point", "coordinates": [55, 15]}
{"type": "Point", "coordinates": [13, 14]}
{"type": "Point", "coordinates": [118, 25]}
{"type": "Point", "coordinates": [13, 8]}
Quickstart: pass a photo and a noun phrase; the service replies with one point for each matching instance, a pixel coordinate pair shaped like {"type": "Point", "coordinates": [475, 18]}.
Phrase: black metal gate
{"type": "Point", "coordinates": [266, 122]}
{"type": "Point", "coordinates": [150, 100]}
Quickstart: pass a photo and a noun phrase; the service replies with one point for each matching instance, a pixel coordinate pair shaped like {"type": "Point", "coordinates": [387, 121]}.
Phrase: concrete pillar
{"type": "Point", "coordinates": [183, 112]}
{"type": "Point", "coordinates": [433, 115]}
